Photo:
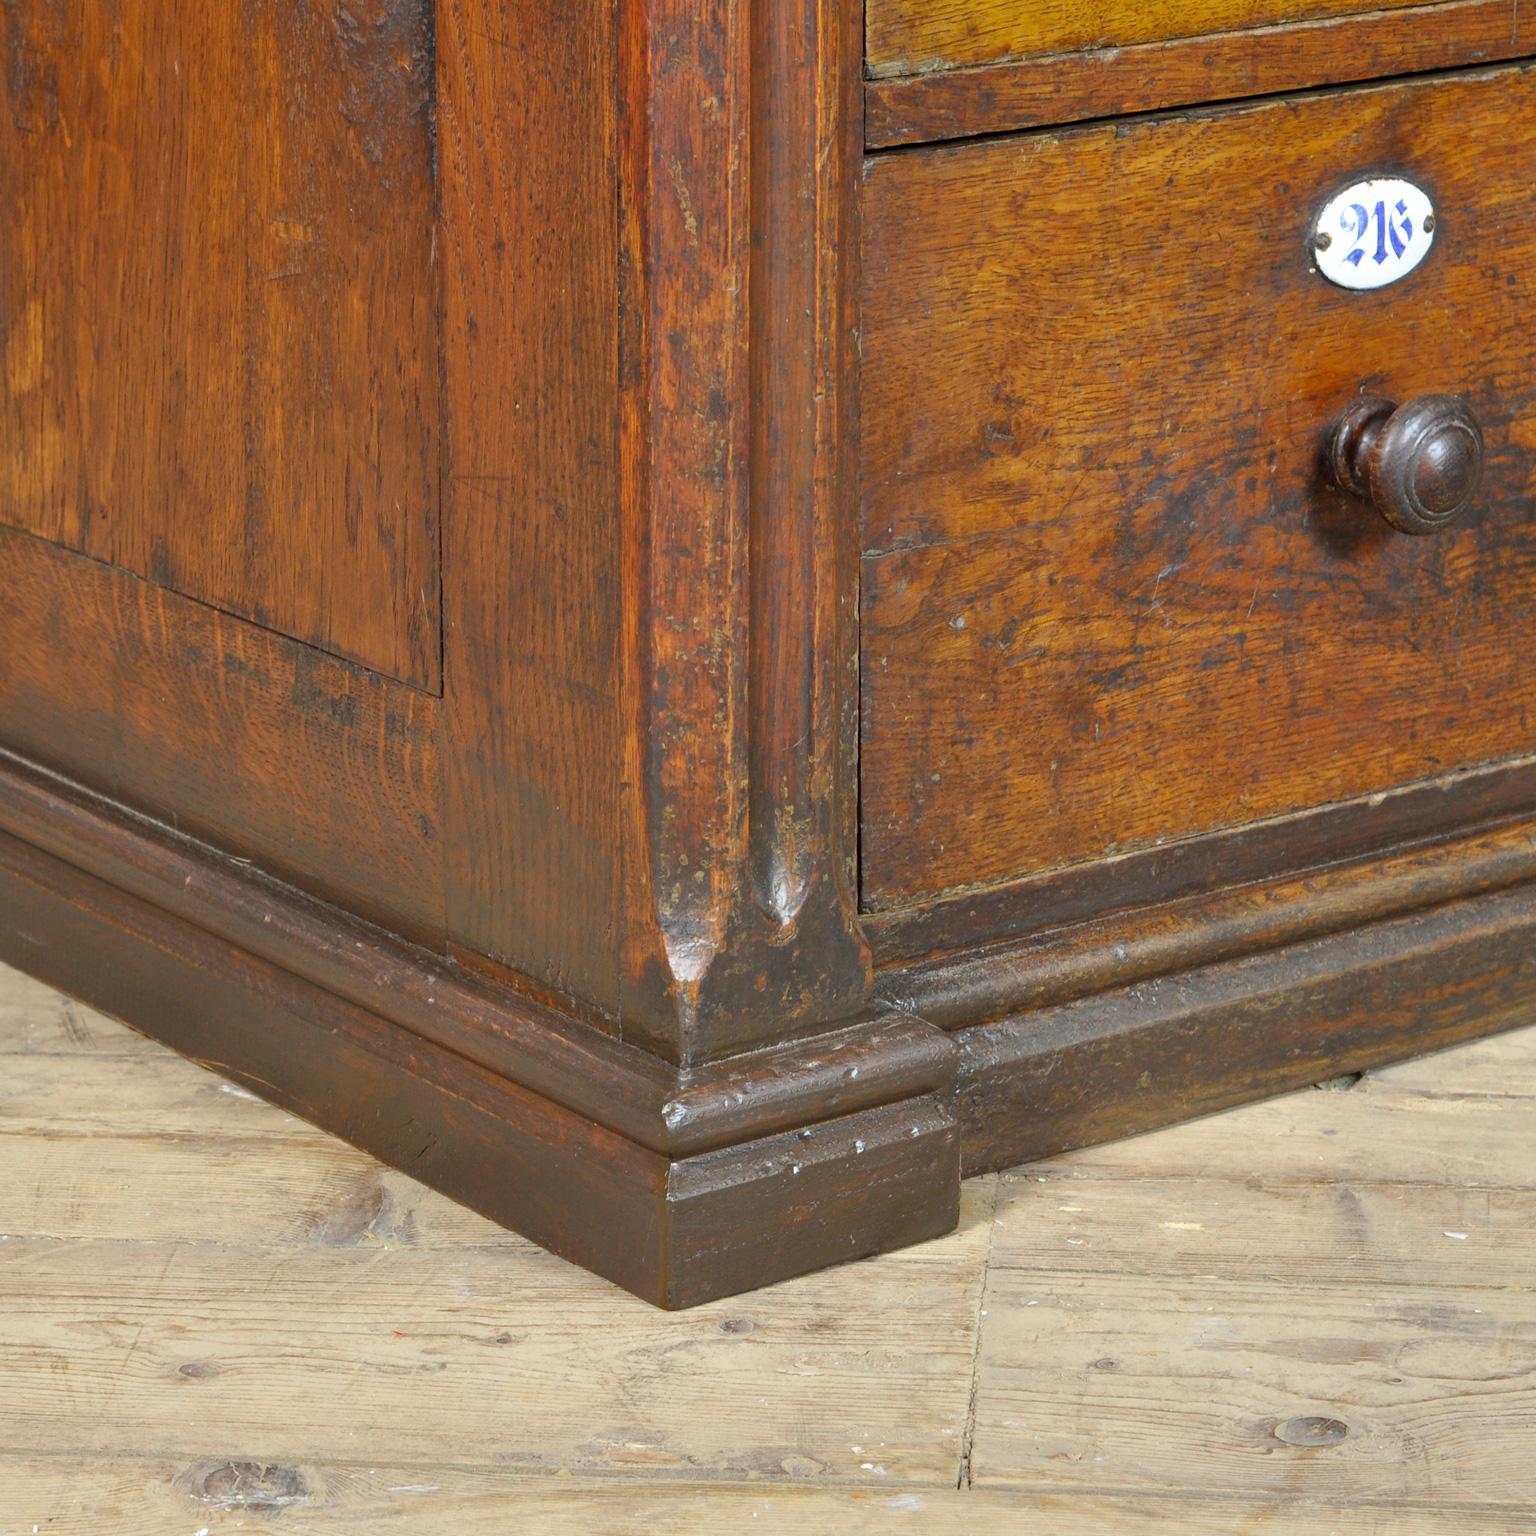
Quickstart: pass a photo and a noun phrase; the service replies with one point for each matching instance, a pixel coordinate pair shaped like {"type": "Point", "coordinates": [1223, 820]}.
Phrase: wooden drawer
{"type": "Point", "coordinates": [941, 70]}
{"type": "Point", "coordinates": [1111, 598]}
{"type": "Point", "coordinates": [909, 36]}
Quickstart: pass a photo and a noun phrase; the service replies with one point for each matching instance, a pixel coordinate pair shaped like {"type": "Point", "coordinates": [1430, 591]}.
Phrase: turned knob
{"type": "Point", "coordinates": [1419, 464]}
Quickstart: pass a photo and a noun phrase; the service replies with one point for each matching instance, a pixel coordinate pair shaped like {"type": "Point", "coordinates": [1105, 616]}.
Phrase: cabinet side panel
{"type": "Point", "coordinates": [527, 145]}
{"type": "Point", "coordinates": [218, 340]}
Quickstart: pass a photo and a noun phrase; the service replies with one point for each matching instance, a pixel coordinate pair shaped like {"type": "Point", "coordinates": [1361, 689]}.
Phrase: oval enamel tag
{"type": "Point", "coordinates": [1373, 233]}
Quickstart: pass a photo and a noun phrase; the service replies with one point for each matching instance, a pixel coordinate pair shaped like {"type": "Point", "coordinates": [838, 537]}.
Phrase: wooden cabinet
{"type": "Point", "coordinates": [689, 620]}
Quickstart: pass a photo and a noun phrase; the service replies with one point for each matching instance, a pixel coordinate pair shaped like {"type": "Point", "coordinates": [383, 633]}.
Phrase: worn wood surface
{"type": "Point", "coordinates": [739, 152]}
{"type": "Point", "coordinates": [1172, 1046]}
{"type": "Point", "coordinates": [217, 308]}
{"type": "Point", "coordinates": [1139, 942]}
{"type": "Point", "coordinates": [1017, 93]}
{"type": "Point", "coordinates": [908, 36]}
{"type": "Point", "coordinates": [1310, 1316]}
{"type": "Point", "coordinates": [1096, 534]}
{"type": "Point", "coordinates": [314, 769]}
{"type": "Point", "coordinates": [625, 243]}
{"type": "Point", "coordinates": [531, 532]}
{"type": "Point", "coordinates": [679, 1187]}
{"type": "Point", "coordinates": [1434, 833]}
{"type": "Point", "coordinates": [219, 429]}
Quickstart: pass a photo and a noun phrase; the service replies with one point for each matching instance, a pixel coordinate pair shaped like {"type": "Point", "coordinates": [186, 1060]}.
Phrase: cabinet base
{"type": "Point", "coordinates": [675, 1231]}
{"type": "Point", "coordinates": [685, 1187]}
{"type": "Point", "coordinates": [1178, 1046]}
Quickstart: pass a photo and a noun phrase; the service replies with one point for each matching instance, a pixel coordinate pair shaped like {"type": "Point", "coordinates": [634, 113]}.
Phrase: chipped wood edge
{"type": "Point", "coordinates": [680, 1186]}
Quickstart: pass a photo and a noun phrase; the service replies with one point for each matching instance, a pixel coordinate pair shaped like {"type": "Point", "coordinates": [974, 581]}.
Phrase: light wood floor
{"type": "Point", "coordinates": [1311, 1316]}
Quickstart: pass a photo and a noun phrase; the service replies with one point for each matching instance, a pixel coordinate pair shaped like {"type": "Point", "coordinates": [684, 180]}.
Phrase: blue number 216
{"type": "Point", "coordinates": [1394, 229]}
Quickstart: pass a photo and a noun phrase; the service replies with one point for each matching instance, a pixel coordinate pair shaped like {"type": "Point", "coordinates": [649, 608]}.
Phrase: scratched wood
{"type": "Point", "coordinates": [149, 1498]}
{"type": "Point", "coordinates": [1097, 537]}
{"type": "Point", "coordinates": [907, 36]}
{"type": "Point", "coordinates": [1227, 1386]}
{"type": "Point", "coordinates": [212, 1315]}
{"type": "Point", "coordinates": [218, 333]}
{"type": "Point", "coordinates": [1408, 1390]}
{"type": "Point", "coordinates": [1014, 93]}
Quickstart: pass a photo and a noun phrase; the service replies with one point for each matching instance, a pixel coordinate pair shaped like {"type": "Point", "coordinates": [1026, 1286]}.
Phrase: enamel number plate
{"type": "Point", "coordinates": [1373, 233]}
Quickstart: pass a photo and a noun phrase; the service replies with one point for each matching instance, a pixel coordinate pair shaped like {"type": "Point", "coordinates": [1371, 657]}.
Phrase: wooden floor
{"type": "Point", "coordinates": [1315, 1315]}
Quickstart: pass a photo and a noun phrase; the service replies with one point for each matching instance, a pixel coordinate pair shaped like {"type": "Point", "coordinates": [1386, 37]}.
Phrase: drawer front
{"type": "Point", "coordinates": [915, 36]}
{"type": "Point", "coordinates": [1111, 596]}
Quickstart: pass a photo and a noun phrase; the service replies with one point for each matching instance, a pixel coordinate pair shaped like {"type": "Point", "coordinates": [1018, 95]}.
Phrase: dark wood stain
{"type": "Point", "coordinates": [1142, 1056]}
{"type": "Point", "coordinates": [437, 448]}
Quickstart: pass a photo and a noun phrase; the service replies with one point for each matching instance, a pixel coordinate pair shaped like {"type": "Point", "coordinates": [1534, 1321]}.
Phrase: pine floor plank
{"type": "Point", "coordinates": [155, 1498]}
{"type": "Point", "coordinates": [1288, 1233]}
{"type": "Point", "coordinates": [1503, 1065]}
{"type": "Point", "coordinates": [157, 1094]}
{"type": "Point", "coordinates": [1184, 1385]}
{"type": "Point", "coordinates": [1376, 1132]}
{"type": "Point", "coordinates": [1328, 1295]}
{"type": "Point", "coordinates": [1309, 1316]}
{"type": "Point", "coordinates": [505, 1357]}
{"type": "Point", "coordinates": [216, 1189]}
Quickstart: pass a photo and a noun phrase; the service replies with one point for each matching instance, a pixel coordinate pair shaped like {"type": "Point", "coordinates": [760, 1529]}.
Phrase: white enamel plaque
{"type": "Point", "coordinates": [1373, 233]}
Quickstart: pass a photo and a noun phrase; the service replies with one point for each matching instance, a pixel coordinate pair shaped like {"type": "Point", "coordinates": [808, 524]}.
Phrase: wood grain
{"type": "Point", "coordinates": [1012, 94]}
{"type": "Point", "coordinates": [300, 1336]}
{"type": "Point", "coordinates": [36, 1020]}
{"type": "Point", "coordinates": [1143, 942]}
{"type": "Point", "coordinates": [1393, 1384]}
{"type": "Point", "coordinates": [1496, 1066]}
{"type": "Point", "coordinates": [314, 769]}
{"type": "Point", "coordinates": [739, 153]}
{"type": "Point", "coordinates": [531, 530]}
{"type": "Point", "coordinates": [1205, 871]}
{"type": "Point", "coordinates": [1468, 1144]}
{"type": "Point", "coordinates": [451, 1339]}
{"type": "Point", "coordinates": [908, 36]}
{"type": "Point", "coordinates": [1140, 1056]}
{"type": "Point", "coordinates": [433, 1331]}
{"type": "Point", "coordinates": [677, 1228]}
{"type": "Point", "coordinates": [148, 1496]}
{"type": "Point", "coordinates": [1348, 1223]}
{"type": "Point", "coordinates": [218, 309]}
{"type": "Point", "coordinates": [1097, 539]}
{"type": "Point", "coordinates": [868, 1065]}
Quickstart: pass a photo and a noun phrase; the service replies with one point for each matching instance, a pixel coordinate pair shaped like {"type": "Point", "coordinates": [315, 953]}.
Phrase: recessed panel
{"type": "Point", "coordinates": [218, 307]}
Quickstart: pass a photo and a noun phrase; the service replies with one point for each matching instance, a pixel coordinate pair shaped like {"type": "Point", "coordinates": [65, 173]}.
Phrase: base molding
{"type": "Point", "coordinates": [688, 1185]}
{"type": "Point", "coordinates": [700, 1185]}
{"type": "Point", "coordinates": [1175, 1046]}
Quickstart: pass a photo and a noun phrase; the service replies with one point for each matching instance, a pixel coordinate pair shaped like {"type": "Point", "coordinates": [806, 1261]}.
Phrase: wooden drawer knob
{"type": "Point", "coordinates": [1419, 464]}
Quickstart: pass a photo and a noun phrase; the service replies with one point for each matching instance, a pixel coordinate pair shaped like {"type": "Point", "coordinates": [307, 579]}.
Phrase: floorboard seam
{"type": "Point", "coordinates": [968, 1442]}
